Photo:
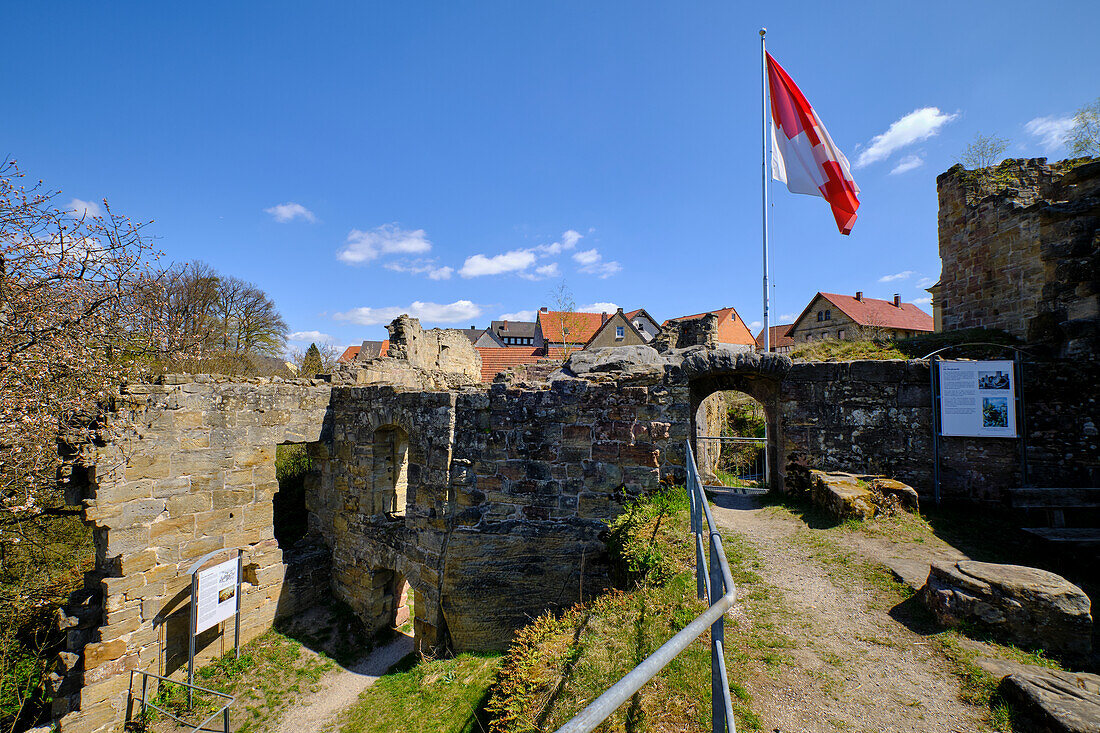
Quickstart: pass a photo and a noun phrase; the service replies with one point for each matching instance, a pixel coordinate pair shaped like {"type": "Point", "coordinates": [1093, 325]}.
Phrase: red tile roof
{"type": "Point", "coordinates": [880, 313]}
{"type": "Point", "coordinates": [349, 354]}
{"type": "Point", "coordinates": [780, 336]}
{"type": "Point", "coordinates": [581, 325]}
{"type": "Point", "coordinates": [495, 359]}
{"type": "Point", "coordinates": [731, 329]}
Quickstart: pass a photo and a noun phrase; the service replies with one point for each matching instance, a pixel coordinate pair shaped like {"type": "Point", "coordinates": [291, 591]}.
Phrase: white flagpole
{"type": "Point", "coordinates": [764, 176]}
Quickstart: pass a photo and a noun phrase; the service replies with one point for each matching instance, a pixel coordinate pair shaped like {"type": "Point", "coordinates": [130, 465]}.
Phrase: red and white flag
{"type": "Point", "coordinates": [803, 155]}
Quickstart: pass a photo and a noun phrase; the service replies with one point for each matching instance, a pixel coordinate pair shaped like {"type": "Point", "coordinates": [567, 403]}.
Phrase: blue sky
{"type": "Point", "coordinates": [459, 160]}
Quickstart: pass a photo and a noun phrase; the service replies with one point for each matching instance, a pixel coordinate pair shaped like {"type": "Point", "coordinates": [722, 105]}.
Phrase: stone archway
{"type": "Point", "coordinates": [757, 375]}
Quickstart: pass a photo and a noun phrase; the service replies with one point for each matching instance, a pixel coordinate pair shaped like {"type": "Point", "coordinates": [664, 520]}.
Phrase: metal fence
{"type": "Point", "coordinates": [748, 459]}
{"type": "Point", "coordinates": [714, 583]}
{"type": "Point", "coordinates": [147, 705]}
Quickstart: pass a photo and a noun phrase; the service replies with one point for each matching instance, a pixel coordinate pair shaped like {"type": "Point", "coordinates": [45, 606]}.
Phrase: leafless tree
{"type": "Point", "coordinates": [1084, 137]}
{"type": "Point", "coordinates": [983, 151]}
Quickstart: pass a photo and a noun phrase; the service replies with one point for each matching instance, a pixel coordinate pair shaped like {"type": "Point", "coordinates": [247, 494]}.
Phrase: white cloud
{"type": "Point", "coordinates": [923, 301]}
{"type": "Point", "coordinates": [518, 316]}
{"type": "Point", "coordinates": [364, 246]}
{"type": "Point", "coordinates": [918, 125]}
{"type": "Point", "coordinates": [788, 316]}
{"type": "Point", "coordinates": [311, 336]}
{"type": "Point", "coordinates": [592, 263]}
{"type": "Point", "coordinates": [1051, 131]}
{"type": "Point", "coordinates": [755, 325]}
{"type": "Point", "coordinates": [421, 267]}
{"type": "Point", "coordinates": [290, 211]}
{"type": "Point", "coordinates": [458, 311]}
{"type": "Point", "coordinates": [550, 270]}
{"type": "Point", "coordinates": [569, 240]}
{"type": "Point", "coordinates": [598, 308]}
{"type": "Point", "coordinates": [903, 275]}
{"type": "Point", "coordinates": [926, 282]}
{"type": "Point", "coordinates": [906, 164]}
{"type": "Point", "coordinates": [85, 208]}
{"type": "Point", "coordinates": [514, 261]}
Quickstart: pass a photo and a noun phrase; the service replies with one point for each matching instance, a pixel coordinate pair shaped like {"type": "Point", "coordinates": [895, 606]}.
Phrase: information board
{"type": "Point", "coordinates": [216, 597]}
{"type": "Point", "coordinates": [977, 399]}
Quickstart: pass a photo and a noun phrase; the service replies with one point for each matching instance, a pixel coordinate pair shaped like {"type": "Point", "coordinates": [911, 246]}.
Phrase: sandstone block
{"type": "Point", "coordinates": [98, 653]}
{"type": "Point", "coordinates": [841, 495]}
{"type": "Point", "coordinates": [1020, 605]}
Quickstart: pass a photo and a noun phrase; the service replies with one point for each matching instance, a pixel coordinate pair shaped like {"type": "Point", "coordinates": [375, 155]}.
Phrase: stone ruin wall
{"type": "Point", "coordinates": [1026, 260]}
{"type": "Point", "coordinates": [1023, 259]}
{"type": "Point", "coordinates": [509, 489]}
{"type": "Point", "coordinates": [194, 472]}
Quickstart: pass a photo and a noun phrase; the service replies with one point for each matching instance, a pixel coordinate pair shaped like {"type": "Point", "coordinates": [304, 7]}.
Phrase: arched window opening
{"type": "Point", "coordinates": [828, 315]}
{"type": "Point", "coordinates": [390, 474]}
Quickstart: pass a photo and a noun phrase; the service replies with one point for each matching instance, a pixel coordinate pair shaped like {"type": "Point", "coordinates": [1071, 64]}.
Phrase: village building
{"type": "Point", "coordinates": [847, 317]}
{"type": "Point", "coordinates": [780, 341]}
{"type": "Point", "coordinates": [732, 330]}
{"type": "Point", "coordinates": [513, 333]}
{"type": "Point", "coordinates": [647, 325]}
{"type": "Point", "coordinates": [617, 330]}
{"type": "Point", "coordinates": [566, 329]}
{"type": "Point", "coordinates": [372, 350]}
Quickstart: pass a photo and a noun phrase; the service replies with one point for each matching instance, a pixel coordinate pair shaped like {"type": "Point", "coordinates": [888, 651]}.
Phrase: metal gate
{"type": "Point", "coordinates": [749, 462]}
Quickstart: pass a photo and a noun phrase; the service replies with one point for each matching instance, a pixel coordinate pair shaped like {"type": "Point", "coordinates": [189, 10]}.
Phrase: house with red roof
{"type": "Point", "coordinates": [566, 329]}
{"type": "Point", "coordinates": [833, 316]}
{"type": "Point", "coordinates": [780, 341]}
{"type": "Point", "coordinates": [496, 359]}
{"type": "Point", "coordinates": [731, 328]}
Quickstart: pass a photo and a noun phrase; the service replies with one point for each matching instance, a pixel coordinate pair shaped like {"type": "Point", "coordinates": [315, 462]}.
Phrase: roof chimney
{"type": "Point", "coordinates": [543, 309]}
{"type": "Point", "coordinates": [897, 300]}
{"type": "Point", "coordinates": [603, 318]}
{"type": "Point", "coordinates": [504, 327]}
{"type": "Point", "coordinates": [859, 295]}
{"type": "Point", "coordinates": [620, 310]}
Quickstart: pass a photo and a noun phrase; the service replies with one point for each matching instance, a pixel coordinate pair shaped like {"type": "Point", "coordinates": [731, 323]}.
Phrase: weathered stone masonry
{"type": "Point", "coordinates": [492, 502]}
{"type": "Point", "coordinates": [195, 472]}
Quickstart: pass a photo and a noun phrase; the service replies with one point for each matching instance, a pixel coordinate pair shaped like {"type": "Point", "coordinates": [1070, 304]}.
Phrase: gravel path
{"type": "Point", "coordinates": [340, 689]}
{"type": "Point", "coordinates": [855, 668]}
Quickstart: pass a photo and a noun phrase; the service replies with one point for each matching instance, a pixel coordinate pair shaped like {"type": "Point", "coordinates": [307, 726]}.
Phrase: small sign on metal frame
{"type": "Point", "coordinates": [215, 597]}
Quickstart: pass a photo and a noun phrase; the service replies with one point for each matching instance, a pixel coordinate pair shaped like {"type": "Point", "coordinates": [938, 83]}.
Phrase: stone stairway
{"type": "Point", "coordinates": [1066, 520]}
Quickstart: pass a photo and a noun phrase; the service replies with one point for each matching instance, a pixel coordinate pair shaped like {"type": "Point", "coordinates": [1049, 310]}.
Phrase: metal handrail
{"type": "Point", "coordinates": [713, 582]}
{"type": "Point", "coordinates": [223, 710]}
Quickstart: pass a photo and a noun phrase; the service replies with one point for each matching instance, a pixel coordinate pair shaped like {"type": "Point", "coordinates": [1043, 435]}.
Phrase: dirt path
{"type": "Point", "coordinates": [341, 688]}
{"type": "Point", "coordinates": [855, 667]}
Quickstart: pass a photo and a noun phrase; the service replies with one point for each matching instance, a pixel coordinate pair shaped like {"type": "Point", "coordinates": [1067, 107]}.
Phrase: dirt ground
{"type": "Point", "coordinates": [855, 667]}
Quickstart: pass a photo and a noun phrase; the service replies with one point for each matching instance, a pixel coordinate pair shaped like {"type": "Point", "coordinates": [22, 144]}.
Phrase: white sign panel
{"type": "Point", "coordinates": [977, 399]}
{"type": "Point", "coordinates": [216, 598]}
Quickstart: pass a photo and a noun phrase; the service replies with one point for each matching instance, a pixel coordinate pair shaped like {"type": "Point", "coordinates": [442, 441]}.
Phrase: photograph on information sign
{"type": "Point", "coordinates": [993, 380]}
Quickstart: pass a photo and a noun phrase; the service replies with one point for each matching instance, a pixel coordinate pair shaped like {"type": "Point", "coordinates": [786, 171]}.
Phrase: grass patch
{"type": "Point", "coordinates": [562, 662]}
{"type": "Point", "coordinates": [272, 672]}
{"type": "Point", "coordinates": [429, 696]}
{"type": "Point", "coordinates": [844, 350]}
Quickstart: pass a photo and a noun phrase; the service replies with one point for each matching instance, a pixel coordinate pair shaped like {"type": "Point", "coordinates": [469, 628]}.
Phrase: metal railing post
{"type": "Point", "coordinates": [717, 633]}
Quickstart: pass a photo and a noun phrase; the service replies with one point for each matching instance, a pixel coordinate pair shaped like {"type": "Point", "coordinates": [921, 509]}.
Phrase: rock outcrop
{"type": "Point", "coordinates": [1048, 699]}
{"type": "Point", "coordinates": [848, 495]}
{"type": "Point", "coordinates": [1020, 605]}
